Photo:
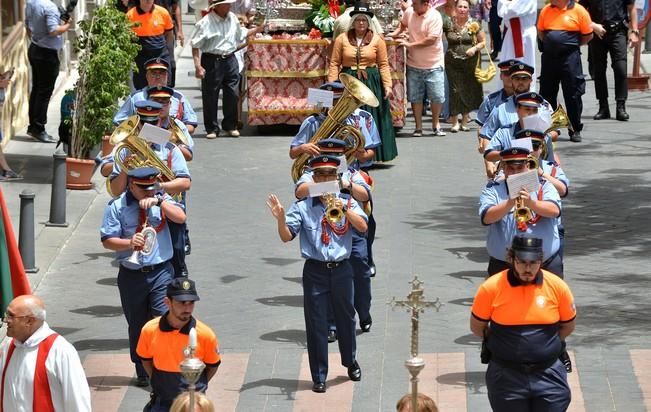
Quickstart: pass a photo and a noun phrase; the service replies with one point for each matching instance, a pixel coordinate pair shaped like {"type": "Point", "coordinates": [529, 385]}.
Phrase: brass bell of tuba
{"type": "Point", "coordinates": [356, 94]}
{"type": "Point", "coordinates": [333, 213]}
{"type": "Point", "coordinates": [136, 150]}
{"type": "Point", "coordinates": [178, 137]}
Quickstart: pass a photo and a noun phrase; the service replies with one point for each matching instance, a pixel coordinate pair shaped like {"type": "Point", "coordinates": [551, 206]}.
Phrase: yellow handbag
{"type": "Point", "coordinates": [487, 74]}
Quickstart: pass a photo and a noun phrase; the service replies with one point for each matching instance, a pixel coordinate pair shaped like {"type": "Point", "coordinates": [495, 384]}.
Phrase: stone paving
{"type": "Point", "coordinates": [426, 206]}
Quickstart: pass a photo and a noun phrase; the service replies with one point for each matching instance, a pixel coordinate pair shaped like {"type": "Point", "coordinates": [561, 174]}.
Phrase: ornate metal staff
{"type": "Point", "coordinates": [415, 304]}
{"type": "Point", "coordinates": [191, 367]}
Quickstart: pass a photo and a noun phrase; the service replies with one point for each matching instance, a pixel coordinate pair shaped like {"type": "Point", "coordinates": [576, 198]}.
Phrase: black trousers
{"type": "Point", "coordinates": [495, 28]}
{"type": "Point", "coordinates": [566, 70]}
{"type": "Point", "coordinates": [615, 44]}
{"type": "Point", "coordinates": [221, 74]}
{"type": "Point", "coordinates": [45, 69]}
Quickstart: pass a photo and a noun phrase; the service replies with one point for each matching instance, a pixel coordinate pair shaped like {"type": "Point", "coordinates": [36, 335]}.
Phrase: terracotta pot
{"type": "Point", "coordinates": [106, 146]}
{"type": "Point", "coordinates": [79, 172]}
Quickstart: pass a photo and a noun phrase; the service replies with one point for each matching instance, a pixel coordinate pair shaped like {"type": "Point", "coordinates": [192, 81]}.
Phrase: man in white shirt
{"type": "Point", "coordinates": [520, 37]}
{"type": "Point", "coordinates": [216, 38]}
{"type": "Point", "coordinates": [41, 371]}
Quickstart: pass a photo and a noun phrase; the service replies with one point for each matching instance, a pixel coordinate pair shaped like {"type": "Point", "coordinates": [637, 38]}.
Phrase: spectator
{"type": "Point", "coordinates": [6, 173]}
{"type": "Point", "coordinates": [342, 23]}
{"type": "Point", "coordinates": [362, 53]}
{"type": "Point", "coordinates": [465, 42]}
{"type": "Point", "coordinates": [53, 380]}
{"type": "Point", "coordinates": [494, 27]}
{"type": "Point", "coordinates": [174, 9]}
{"type": "Point", "coordinates": [425, 64]}
{"type": "Point", "coordinates": [154, 28]}
{"type": "Point", "coordinates": [45, 30]}
{"type": "Point", "coordinates": [425, 404]}
{"type": "Point", "coordinates": [201, 403]}
{"type": "Point", "coordinates": [216, 38]}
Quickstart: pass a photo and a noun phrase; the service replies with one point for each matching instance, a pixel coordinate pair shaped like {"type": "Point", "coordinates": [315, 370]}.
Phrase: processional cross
{"type": "Point", "coordinates": [416, 304]}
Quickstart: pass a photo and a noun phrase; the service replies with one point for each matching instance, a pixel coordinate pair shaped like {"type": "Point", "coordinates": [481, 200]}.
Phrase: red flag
{"type": "Point", "coordinates": [13, 280]}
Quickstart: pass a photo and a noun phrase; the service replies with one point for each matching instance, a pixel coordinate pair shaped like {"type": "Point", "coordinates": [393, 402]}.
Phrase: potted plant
{"type": "Point", "coordinates": [107, 48]}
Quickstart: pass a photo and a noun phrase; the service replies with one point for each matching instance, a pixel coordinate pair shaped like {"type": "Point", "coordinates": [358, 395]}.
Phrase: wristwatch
{"type": "Point", "coordinates": [160, 200]}
{"type": "Point", "coordinates": [344, 208]}
{"type": "Point", "coordinates": [636, 32]}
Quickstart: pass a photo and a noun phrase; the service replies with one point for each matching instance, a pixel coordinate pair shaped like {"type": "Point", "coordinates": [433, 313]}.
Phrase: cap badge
{"type": "Point", "coordinates": [330, 144]}
{"type": "Point", "coordinates": [520, 66]}
{"type": "Point", "coordinates": [325, 159]}
{"type": "Point", "coordinates": [158, 60]}
{"type": "Point", "coordinates": [514, 151]}
{"type": "Point", "coordinates": [533, 95]}
{"type": "Point", "coordinates": [527, 133]}
{"type": "Point", "coordinates": [185, 285]}
{"type": "Point", "coordinates": [149, 108]}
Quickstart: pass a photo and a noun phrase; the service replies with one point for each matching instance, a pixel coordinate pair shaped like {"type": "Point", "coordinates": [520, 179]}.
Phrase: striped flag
{"type": "Point", "coordinates": [13, 280]}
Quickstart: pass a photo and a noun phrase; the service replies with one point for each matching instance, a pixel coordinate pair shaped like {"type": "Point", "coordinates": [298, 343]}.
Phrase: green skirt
{"type": "Point", "coordinates": [388, 150]}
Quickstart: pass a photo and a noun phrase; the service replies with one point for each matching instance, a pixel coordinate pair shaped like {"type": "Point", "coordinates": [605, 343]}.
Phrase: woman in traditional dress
{"type": "Point", "coordinates": [362, 53]}
{"type": "Point", "coordinates": [465, 42]}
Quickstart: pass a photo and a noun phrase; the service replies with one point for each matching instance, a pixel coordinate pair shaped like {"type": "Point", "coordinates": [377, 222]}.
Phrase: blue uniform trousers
{"type": "Point", "coordinates": [565, 69]}
{"type": "Point", "coordinates": [177, 233]}
{"type": "Point", "coordinates": [141, 295]}
{"type": "Point", "coordinates": [323, 286]}
{"type": "Point", "coordinates": [361, 282]}
{"type": "Point", "coordinates": [540, 391]}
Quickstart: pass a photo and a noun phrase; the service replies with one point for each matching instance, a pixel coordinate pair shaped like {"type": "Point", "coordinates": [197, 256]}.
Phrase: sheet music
{"type": "Point", "coordinates": [154, 134]}
{"type": "Point", "coordinates": [316, 96]}
{"type": "Point", "coordinates": [318, 189]}
{"type": "Point", "coordinates": [528, 180]}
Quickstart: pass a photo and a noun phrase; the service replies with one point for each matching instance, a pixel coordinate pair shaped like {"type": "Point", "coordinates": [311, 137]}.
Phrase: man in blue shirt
{"type": "Point", "coordinates": [352, 182]}
{"type": "Point", "coordinates": [143, 277]}
{"type": "Point", "coordinates": [327, 273]}
{"type": "Point", "coordinates": [497, 211]}
{"type": "Point", "coordinates": [45, 30]}
{"type": "Point", "coordinates": [156, 75]}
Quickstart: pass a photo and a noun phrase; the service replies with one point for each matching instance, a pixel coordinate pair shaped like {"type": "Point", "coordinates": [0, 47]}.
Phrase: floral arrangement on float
{"type": "Point", "coordinates": [322, 17]}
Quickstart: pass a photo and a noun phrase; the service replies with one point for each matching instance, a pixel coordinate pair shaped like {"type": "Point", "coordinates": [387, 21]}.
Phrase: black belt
{"type": "Point", "coordinates": [525, 367]}
{"type": "Point", "coordinates": [145, 269]}
{"type": "Point", "coordinates": [326, 265]}
{"type": "Point", "coordinates": [551, 258]}
{"type": "Point", "coordinates": [219, 56]}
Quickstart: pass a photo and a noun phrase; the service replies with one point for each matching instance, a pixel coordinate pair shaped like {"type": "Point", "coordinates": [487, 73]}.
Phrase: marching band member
{"type": "Point", "coordinates": [490, 102]}
{"type": "Point", "coordinates": [527, 104]}
{"type": "Point", "coordinates": [143, 279]}
{"type": "Point", "coordinates": [497, 211]}
{"type": "Point", "coordinates": [327, 273]}
{"type": "Point", "coordinates": [156, 74]}
{"type": "Point", "coordinates": [506, 114]}
{"type": "Point", "coordinates": [171, 156]}
{"type": "Point", "coordinates": [353, 183]}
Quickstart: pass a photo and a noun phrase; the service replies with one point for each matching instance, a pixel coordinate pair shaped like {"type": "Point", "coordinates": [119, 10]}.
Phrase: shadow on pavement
{"type": "Point", "coordinates": [287, 300]}
{"type": "Point", "coordinates": [473, 254]}
{"type": "Point", "coordinates": [99, 345]}
{"type": "Point", "coordinates": [112, 281]}
{"type": "Point", "coordinates": [457, 215]}
{"type": "Point", "coordinates": [469, 275]}
{"type": "Point", "coordinates": [231, 278]}
{"type": "Point", "coordinates": [279, 261]}
{"type": "Point", "coordinates": [100, 311]}
{"type": "Point", "coordinates": [474, 381]}
{"type": "Point", "coordinates": [287, 387]}
{"type": "Point", "coordinates": [108, 383]}
{"type": "Point", "coordinates": [295, 336]}
{"type": "Point", "coordinates": [469, 339]}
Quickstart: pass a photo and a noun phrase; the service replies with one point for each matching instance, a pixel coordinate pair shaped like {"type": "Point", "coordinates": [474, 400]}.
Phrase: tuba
{"type": "Point", "coordinates": [126, 141]}
{"type": "Point", "coordinates": [355, 95]}
{"type": "Point", "coordinates": [178, 137]}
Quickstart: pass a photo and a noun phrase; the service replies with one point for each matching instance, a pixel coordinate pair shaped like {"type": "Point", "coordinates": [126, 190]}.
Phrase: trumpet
{"type": "Point", "coordinates": [522, 214]}
{"type": "Point", "coordinates": [333, 213]}
{"type": "Point", "coordinates": [150, 241]}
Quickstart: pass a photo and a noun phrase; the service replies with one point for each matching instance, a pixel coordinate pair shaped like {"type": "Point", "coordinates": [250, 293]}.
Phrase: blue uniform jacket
{"type": "Point", "coordinates": [122, 218]}
{"type": "Point", "coordinates": [304, 218]}
{"type": "Point", "coordinates": [188, 116]}
{"type": "Point", "coordinates": [500, 234]}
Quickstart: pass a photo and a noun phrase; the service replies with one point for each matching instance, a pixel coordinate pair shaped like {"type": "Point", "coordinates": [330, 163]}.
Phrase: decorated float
{"type": "Point", "coordinates": [282, 65]}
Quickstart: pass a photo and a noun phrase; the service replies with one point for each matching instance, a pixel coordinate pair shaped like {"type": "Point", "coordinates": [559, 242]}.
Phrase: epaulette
{"type": "Point", "coordinates": [492, 183]}
{"type": "Point", "coordinates": [170, 145]}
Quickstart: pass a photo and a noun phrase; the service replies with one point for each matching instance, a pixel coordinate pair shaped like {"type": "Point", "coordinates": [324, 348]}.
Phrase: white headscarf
{"type": "Point", "coordinates": [356, 16]}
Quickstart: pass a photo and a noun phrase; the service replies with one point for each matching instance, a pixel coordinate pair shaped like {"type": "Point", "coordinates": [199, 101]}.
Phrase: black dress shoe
{"type": "Point", "coordinates": [604, 111]}
{"type": "Point", "coordinates": [332, 336]}
{"type": "Point", "coordinates": [319, 387]}
{"type": "Point", "coordinates": [365, 326]}
{"type": "Point", "coordinates": [43, 137]}
{"type": "Point", "coordinates": [620, 112]}
{"type": "Point", "coordinates": [355, 372]}
{"type": "Point", "coordinates": [575, 137]}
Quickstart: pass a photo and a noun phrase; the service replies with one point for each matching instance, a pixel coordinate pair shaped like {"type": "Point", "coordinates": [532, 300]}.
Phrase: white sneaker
{"type": "Point", "coordinates": [233, 133]}
{"type": "Point", "coordinates": [211, 135]}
